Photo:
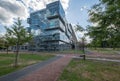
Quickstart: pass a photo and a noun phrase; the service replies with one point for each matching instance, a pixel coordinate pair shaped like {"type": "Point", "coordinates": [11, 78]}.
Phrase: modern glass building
{"type": "Point", "coordinates": [51, 29]}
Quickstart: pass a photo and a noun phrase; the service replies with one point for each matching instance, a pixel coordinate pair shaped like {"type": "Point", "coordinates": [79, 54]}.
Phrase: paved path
{"type": "Point", "coordinates": [104, 59]}
{"type": "Point", "coordinates": [18, 74]}
{"type": "Point", "coordinates": [50, 72]}
{"type": "Point", "coordinates": [100, 59]}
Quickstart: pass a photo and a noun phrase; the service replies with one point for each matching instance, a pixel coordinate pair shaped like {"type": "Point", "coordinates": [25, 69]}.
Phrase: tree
{"type": "Point", "coordinates": [97, 34]}
{"type": "Point", "coordinates": [9, 41]}
{"type": "Point", "coordinates": [81, 29]}
{"type": "Point", "coordinates": [2, 42]}
{"type": "Point", "coordinates": [17, 35]}
{"type": "Point", "coordinates": [106, 15]}
{"type": "Point", "coordinates": [5, 42]}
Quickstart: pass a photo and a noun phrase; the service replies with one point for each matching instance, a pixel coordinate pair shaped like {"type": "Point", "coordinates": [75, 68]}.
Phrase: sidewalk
{"type": "Point", "coordinates": [104, 59]}
{"type": "Point", "coordinates": [51, 72]}
{"type": "Point", "coordinates": [48, 70]}
{"type": "Point", "coordinates": [27, 70]}
{"type": "Point", "coordinates": [96, 58]}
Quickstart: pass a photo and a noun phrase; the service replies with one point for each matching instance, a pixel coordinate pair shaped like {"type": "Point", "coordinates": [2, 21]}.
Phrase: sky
{"type": "Point", "coordinates": [76, 10]}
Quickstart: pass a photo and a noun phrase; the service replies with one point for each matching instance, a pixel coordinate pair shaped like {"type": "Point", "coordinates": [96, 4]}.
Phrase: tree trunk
{"type": "Point", "coordinates": [83, 48]}
{"type": "Point", "coordinates": [95, 46]}
{"type": "Point", "coordinates": [16, 55]}
{"type": "Point", "coordinates": [7, 50]}
{"type": "Point", "coordinates": [114, 47]}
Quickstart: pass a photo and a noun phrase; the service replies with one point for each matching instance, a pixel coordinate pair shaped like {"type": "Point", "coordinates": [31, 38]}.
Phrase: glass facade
{"type": "Point", "coordinates": [54, 23]}
{"type": "Point", "coordinates": [50, 28]}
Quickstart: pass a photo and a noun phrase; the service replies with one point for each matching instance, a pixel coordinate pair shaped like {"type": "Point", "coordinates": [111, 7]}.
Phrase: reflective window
{"type": "Point", "coordinates": [36, 32]}
{"type": "Point", "coordinates": [54, 23]}
{"type": "Point", "coordinates": [61, 25]}
{"type": "Point", "coordinates": [61, 11]}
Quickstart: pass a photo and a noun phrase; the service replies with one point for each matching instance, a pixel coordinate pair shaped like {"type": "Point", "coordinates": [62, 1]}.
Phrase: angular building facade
{"type": "Point", "coordinates": [51, 29]}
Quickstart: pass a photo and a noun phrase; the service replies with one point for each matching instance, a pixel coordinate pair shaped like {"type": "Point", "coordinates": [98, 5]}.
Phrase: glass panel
{"type": "Point", "coordinates": [53, 23]}
{"type": "Point", "coordinates": [61, 11]}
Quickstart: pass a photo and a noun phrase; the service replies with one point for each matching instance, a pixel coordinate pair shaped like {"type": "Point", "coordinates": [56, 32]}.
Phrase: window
{"type": "Point", "coordinates": [53, 23]}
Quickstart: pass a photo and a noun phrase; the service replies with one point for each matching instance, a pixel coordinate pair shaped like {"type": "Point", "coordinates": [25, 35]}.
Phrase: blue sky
{"type": "Point", "coordinates": [76, 10]}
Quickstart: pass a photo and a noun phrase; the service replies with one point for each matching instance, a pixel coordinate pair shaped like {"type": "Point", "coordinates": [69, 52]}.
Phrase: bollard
{"type": "Point", "coordinates": [84, 57]}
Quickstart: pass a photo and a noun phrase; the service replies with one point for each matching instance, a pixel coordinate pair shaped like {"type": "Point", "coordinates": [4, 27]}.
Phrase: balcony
{"type": "Point", "coordinates": [48, 38]}
{"type": "Point", "coordinates": [48, 29]}
{"type": "Point", "coordinates": [54, 16]}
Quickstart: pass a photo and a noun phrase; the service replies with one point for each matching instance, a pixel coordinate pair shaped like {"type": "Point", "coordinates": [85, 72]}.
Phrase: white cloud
{"type": "Point", "coordinates": [40, 4]}
{"type": "Point", "coordinates": [20, 8]}
{"type": "Point", "coordinates": [95, 24]}
{"type": "Point", "coordinates": [6, 17]}
{"type": "Point", "coordinates": [65, 3]}
{"type": "Point", "coordinates": [83, 8]}
{"type": "Point", "coordinates": [81, 34]}
{"type": "Point", "coordinates": [2, 34]}
{"type": "Point", "coordinates": [11, 9]}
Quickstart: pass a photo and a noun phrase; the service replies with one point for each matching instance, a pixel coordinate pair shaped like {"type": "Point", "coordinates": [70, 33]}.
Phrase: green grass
{"type": "Point", "coordinates": [106, 50]}
{"type": "Point", "coordinates": [80, 70]}
{"type": "Point", "coordinates": [62, 52]}
{"type": "Point", "coordinates": [7, 61]}
{"type": "Point", "coordinates": [71, 52]}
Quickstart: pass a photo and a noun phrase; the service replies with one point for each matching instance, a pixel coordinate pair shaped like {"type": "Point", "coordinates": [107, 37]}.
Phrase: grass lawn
{"type": "Point", "coordinates": [7, 61]}
{"type": "Point", "coordinates": [63, 52]}
{"type": "Point", "coordinates": [106, 50]}
{"type": "Point", "coordinates": [89, 70]}
{"type": "Point", "coordinates": [70, 52]}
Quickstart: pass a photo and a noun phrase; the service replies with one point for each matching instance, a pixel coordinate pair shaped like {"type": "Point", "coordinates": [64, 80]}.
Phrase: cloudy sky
{"type": "Point", "coordinates": [76, 10]}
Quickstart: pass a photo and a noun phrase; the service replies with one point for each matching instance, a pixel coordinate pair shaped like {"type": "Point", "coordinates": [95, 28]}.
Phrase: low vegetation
{"type": "Point", "coordinates": [64, 52]}
{"type": "Point", "coordinates": [71, 52]}
{"type": "Point", "coordinates": [106, 50]}
{"type": "Point", "coordinates": [7, 61]}
{"type": "Point", "coordinates": [15, 36]}
{"type": "Point", "coordinates": [89, 70]}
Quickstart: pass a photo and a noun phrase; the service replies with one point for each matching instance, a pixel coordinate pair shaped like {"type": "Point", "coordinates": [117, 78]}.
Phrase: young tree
{"type": "Point", "coordinates": [8, 41]}
{"type": "Point", "coordinates": [81, 29]}
{"type": "Point", "coordinates": [18, 35]}
{"type": "Point", "coordinates": [2, 42]}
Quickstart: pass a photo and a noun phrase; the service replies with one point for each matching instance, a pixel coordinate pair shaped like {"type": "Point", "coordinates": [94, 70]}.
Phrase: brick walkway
{"type": "Point", "coordinates": [15, 76]}
{"type": "Point", "coordinates": [50, 72]}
